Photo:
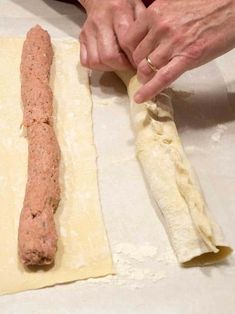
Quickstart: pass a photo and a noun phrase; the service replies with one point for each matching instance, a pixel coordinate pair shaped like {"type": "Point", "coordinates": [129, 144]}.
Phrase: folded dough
{"type": "Point", "coordinates": [194, 235]}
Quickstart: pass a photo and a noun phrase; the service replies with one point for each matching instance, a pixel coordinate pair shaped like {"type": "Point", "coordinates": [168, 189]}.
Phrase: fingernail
{"type": "Point", "coordinates": [138, 98]}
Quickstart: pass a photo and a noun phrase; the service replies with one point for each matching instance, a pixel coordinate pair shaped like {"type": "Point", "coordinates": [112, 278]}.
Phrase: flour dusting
{"type": "Point", "coordinates": [138, 253]}
{"type": "Point", "coordinates": [193, 149]}
{"type": "Point", "coordinates": [136, 266]}
{"type": "Point", "coordinates": [216, 137]}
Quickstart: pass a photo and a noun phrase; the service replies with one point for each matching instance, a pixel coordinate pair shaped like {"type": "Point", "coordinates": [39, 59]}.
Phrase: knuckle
{"type": "Point", "coordinates": [83, 63]}
{"type": "Point", "coordinates": [108, 57]}
{"type": "Point", "coordinates": [91, 25]}
{"type": "Point", "coordinates": [93, 22]}
{"type": "Point", "coordinates": [152, 12]}
{"type": "Point", "coordinates": [85, 25]}
{"type": "Point", "coordinates": [165, 26]}
{"type": "Point", "coordinates": [97, 21]}
{"type": "Point", "coordinates": [116, 5]}
{"type": "Point", "coordinates": [178, 38]}
{"type": "Point", "coordinates": [143, 69]}
{"type": "Point", "coordinates": [85, 33]}
{"type": "Point", "coordinates": [82, 35]}
{"type": "Point", "coordinates": [124, 43]}
{"type": "Point", "coordinates": [166, 77]}
{"type": "Point", "coordinates": [196, 51]}
{"type": "Point", "coordinates": [162, 59]}
{"type": "Point", "coordinates": [136, 57]}
{"type": "Point", "coordinates": [94, 63]}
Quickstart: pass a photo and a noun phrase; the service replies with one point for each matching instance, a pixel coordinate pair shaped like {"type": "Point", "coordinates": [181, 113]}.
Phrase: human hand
{"type": "Point", "coordinates": [178, 35]}
{"type": "Point", "coordinates": [103, 33]}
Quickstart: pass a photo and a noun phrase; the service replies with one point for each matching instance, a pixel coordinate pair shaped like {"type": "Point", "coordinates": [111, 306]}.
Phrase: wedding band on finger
{"type": "Point", "coordinates": [151, 65]}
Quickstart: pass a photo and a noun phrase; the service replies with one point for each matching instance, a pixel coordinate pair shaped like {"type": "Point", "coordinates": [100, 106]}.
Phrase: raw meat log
{"type": "Point", "coordinates": [37, 236]}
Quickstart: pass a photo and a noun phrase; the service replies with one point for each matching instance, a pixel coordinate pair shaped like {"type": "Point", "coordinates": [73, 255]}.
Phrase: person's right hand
{"type": "Point", "coordinates": [177, 36]}
{"type": "Point", "coordinates": [104, 32]}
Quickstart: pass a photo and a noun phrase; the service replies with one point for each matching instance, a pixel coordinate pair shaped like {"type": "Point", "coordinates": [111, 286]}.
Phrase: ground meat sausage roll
{"type": "Point", "coordinates": [37, 236]}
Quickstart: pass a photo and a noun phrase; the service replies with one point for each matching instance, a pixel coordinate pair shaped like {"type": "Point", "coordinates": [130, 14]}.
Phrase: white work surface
{"type": "Point", "coordinates": [149, 279]}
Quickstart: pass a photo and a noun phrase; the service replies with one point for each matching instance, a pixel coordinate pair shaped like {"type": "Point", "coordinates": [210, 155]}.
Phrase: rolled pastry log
{"type": "Point", "coordinates": [37, 237]}
{"type": "Point", "coordinates": [194, 235]}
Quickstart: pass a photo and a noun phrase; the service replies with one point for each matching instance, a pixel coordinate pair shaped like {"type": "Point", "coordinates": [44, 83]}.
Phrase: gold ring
{"type": "Point", "coordinates": [151, 65]}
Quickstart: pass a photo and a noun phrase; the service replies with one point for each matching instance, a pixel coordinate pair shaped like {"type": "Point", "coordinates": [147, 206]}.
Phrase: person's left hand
{"type": "Point", "coordinates": [178, 35]}
{"type": "Point", "coordinates": [104, 31]}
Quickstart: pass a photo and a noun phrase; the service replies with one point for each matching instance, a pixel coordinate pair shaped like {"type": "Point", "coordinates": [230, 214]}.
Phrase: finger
{"type": "Point", "coordinates": [159, 58]}
{"type": "Point", "coordinates": [162, 79]}
{"type": "Point", "coordinates": [136, 34]}
{"type": "Point", "coordinates": [83, 50]}
{"type": "Point", "coordinates": [146, 46]}
{"type": "Point", "coordinates": [83, 54]}
{"type": "Point", "coordinates": [155, 36]}
{"type": "Point", "coordinates": [109, 51]}
{"type": "Point", "coordinates": [139, 8]}
{"type": "Point", "coordinates": [122, 23]}
{"type": "Point", "coordinates": [93, 60]}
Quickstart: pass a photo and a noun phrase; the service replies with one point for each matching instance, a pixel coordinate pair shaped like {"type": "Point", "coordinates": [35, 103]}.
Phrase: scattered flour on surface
{"type": "Point", "coordinates": [105, 102]}
{"type": "Point", "coordinates": [216, 137]}
{"type": "Point", "coordinates": [159, 275]}
{"type": "Point", "coordinates": [193, 149]}
{"type": "Point", "coordinates": [136, 265]}
{"type": "Point", "coordinates": [122, 159]}
{"type": "Point", "coordinates": [139, 253]}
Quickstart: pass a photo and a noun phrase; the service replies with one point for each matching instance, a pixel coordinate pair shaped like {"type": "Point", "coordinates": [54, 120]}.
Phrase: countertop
{"type": "Point", "coordinates": [149, 278]}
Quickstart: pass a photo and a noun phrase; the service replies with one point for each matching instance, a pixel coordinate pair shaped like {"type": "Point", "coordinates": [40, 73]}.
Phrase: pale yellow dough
{"type": "Point", "coordinates": [194, 235]}
{"type": "Point", "coordinates": [83, 249]}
